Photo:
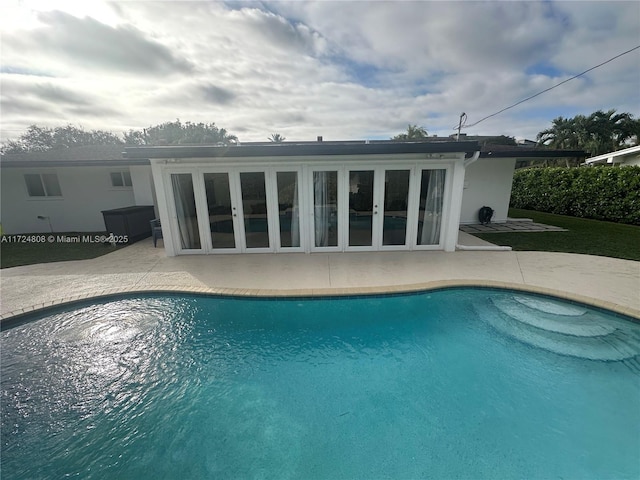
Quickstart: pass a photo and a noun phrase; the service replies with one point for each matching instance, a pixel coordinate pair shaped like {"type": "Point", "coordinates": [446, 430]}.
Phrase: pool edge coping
{"type": "Point", "coordinates": [334, 292]}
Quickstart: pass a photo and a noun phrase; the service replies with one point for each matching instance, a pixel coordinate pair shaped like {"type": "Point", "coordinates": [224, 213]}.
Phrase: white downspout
{"type": "Point", "coordinates": [469, 161]}
{"type": "Point", "coordinates": [484, 248]}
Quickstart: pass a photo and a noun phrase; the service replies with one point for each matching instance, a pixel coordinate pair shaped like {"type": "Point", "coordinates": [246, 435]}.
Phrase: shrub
{"type": "Point", "coordinates": [602, 193]}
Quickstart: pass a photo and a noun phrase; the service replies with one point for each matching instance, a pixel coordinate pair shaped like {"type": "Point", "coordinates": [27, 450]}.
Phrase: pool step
{"type": "Point", "coordinates": [550, 306]}
{"type": "Point", "coordinates": [615, 343]}
{"type": "Point", "coordinates": [579, 324]}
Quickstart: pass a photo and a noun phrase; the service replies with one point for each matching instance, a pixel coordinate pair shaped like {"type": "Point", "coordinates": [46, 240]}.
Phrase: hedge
{"type": "Point", "coordinates": [602, 193]}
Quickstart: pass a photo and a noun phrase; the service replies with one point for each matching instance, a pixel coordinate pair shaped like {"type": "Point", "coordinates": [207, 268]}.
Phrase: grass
{"type": "Point", "coordinates": [15, 250]}
{"type": "Point", "coordinates": [586, 236]}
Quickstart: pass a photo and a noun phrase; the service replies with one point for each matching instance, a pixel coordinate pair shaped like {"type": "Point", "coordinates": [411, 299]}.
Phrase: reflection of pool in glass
{"type": "Point", "coordinates": [470, 383]}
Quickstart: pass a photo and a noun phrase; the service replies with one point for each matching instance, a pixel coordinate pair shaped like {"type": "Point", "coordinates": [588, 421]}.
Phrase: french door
{"type": "Point", "coordinates": [379, 209]}
{"type": "Point", "coordinates": [355, 208]}
{"type": "Point", "coordinates": [253, 210]}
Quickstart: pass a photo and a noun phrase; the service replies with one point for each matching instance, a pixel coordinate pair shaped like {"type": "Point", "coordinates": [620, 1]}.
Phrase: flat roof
{"type": "Point", "coordinates": [120, 155]}
{"type": "Point", "coordinates": [299, 149]}
{"type": "Point", "coordinates": [515, 152]}
{"type": "Point", "coordinates": [88, 155]}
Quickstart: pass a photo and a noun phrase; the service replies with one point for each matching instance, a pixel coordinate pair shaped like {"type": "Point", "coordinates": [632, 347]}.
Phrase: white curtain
{"type": "Point", "coordinates": [321, 209]}
{"type": "Point", "coordinates": [295, 223]}
{"type": "Point", "coordinates": [184, 197]}
{"type": "Point", "coordinates": [433, 209]}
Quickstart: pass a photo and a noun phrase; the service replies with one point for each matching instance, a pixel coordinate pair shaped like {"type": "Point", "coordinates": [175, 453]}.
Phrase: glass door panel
{"type": "Point", "coordinates": [288, 209]}
{"type": "Point", "coordinates": [396, 195]}
{"type": "Point", "coordinates": [430, 207]}
{"type": "Point", "coordinates": [187, 218]}
{"type": "Point", "coordinates": [218, 194]}
{"type": "Point", "coordinates": [325, 208]}
{"type": "Point", "coordinates": [254, 209]}
{"type": "Point", "coordinates": [361, 208]}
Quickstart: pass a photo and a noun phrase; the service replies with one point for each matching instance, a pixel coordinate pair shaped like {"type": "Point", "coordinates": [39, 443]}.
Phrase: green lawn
{"type": "Point", "coordinates": [17, 251]}
{"type": "Point", "coordinates": [591, 237]}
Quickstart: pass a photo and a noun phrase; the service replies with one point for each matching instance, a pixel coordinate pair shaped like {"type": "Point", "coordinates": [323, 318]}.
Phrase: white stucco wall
{"type": "Point", "coordinates": [142, 180]}
{"type": "Point", "coordinates": [632, 160]}
{"type": "Point", "coordinates": [487, 182]}
{"type": "Point", "coordinates": [86, 191]}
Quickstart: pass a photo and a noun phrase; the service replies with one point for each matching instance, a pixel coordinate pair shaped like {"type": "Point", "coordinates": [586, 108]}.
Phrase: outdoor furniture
{"type": "Point", "coordinates": [156, 230]}
{"type": "Point", "coordinates": [131, 223]}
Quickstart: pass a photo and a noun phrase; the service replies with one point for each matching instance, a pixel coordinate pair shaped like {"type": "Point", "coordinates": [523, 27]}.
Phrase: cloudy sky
{"type": "Point", "coordinates": [341, 69]}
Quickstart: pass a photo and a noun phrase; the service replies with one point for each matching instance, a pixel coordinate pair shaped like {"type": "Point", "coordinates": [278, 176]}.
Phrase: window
{"type": "Point", "coordinates": [42, 185]}
{"type": "Point", "coordinates": [121, 179]}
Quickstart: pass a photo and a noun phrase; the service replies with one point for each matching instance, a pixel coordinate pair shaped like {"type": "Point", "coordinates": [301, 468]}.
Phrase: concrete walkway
{"type": "Point", "coordinates": [600, 281]}
{"type": "Point", "coordinates": [511, 226]}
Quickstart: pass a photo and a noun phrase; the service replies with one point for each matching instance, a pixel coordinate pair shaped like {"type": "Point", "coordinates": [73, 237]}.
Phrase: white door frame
{"type": "Point", "coordinates": [305, 186]}
{"type": "Point", "coordinates": [238, 208]}
{"type": "Point", "coordinates": [173, 215]}
{"type": "Point", "coordinates": [446, 205]}
{"type": "Point", "coordinates": [205, 221]}
{"type": "Point", "coordinates": [274, 213]}
{"type": "Point", "coordinates": [379, 193]}
{"type": "Point", "coordinates": [340, 205]}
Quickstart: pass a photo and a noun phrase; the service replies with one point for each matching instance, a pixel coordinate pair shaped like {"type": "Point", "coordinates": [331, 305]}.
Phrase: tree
{"type": "Point", "coordinates": [41, 139]}
{"type": "Point", "coordinates": [413, 133]}
{"type": "Point", "coordinates": [276, 138]}
{"type": "Point", "coordinates": [178, 133]}
{"type": "Point", "coordinates": [599, 133]}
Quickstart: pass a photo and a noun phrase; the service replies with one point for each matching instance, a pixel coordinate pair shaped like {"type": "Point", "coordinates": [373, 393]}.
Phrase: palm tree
{"type": "Point", "coordinates": [599, 133]}
{"type": "Point", "coordinates": [414, 132]}
{"type": "Point", "coordinates": [276, 138]}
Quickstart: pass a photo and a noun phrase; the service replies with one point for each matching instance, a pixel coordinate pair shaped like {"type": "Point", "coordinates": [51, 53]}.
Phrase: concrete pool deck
{"type": "Point", "coordinates": [600, 281]}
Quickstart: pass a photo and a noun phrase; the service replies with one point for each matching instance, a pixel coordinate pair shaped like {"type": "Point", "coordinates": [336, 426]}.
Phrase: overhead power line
{"type": "Point", "coordinates": [546, 90]}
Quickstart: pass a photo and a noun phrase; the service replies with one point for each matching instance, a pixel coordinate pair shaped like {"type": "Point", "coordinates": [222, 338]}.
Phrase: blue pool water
{"type": "Point", "coordinates": [461, 383]}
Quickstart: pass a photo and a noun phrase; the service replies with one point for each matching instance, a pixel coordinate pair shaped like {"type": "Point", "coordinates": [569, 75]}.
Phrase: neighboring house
{"type": "Point", "coordinates": [628, 156]}
{"type": "Point", "coordinates": [269, 197]}
{"type": "Point", "coordinates": [66, 190]}
{"type": "Point", "coordinates": [523, 142]}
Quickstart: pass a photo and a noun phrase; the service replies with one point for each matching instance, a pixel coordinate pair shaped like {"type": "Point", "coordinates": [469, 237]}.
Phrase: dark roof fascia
{"type": "Point", "coordinates": [86, 155]}
{"type": "Point", "coordinates": [125, 162]}
{"type": "Point", "coordinates": [521, 153]}
{"type": "Point", "coordinates": [290, 150]}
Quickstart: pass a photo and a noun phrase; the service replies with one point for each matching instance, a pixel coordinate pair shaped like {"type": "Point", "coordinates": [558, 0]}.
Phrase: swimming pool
{"type": "Point", "coordinates": [459, 383]}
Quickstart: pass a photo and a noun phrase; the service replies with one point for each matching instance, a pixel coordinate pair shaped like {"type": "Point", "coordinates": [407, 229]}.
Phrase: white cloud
{"type": "Point", "coordinates": [338, 69]}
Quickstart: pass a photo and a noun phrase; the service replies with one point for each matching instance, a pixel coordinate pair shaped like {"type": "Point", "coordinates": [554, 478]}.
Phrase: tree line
{"type": "Point", "coordinates": [601, 132]}
{"type": "Point", "coordinates": [598, 133]}
{"type": "Point", "coordinates": [42, 139]}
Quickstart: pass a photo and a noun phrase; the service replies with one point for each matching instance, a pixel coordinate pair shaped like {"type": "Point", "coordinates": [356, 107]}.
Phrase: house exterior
{"type": "Point", "coordinates": [625, 157]}
{"type": "Point", "coordinates": [66, 190]}
{"type": "Point", "coordinates": [268, 197]}
{"type": "Point", "coordinates": [309, 197]}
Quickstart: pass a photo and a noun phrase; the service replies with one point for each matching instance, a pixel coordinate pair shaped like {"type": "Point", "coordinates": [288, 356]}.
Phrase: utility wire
{"type": "Point", "coordinates": [550, 88]}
